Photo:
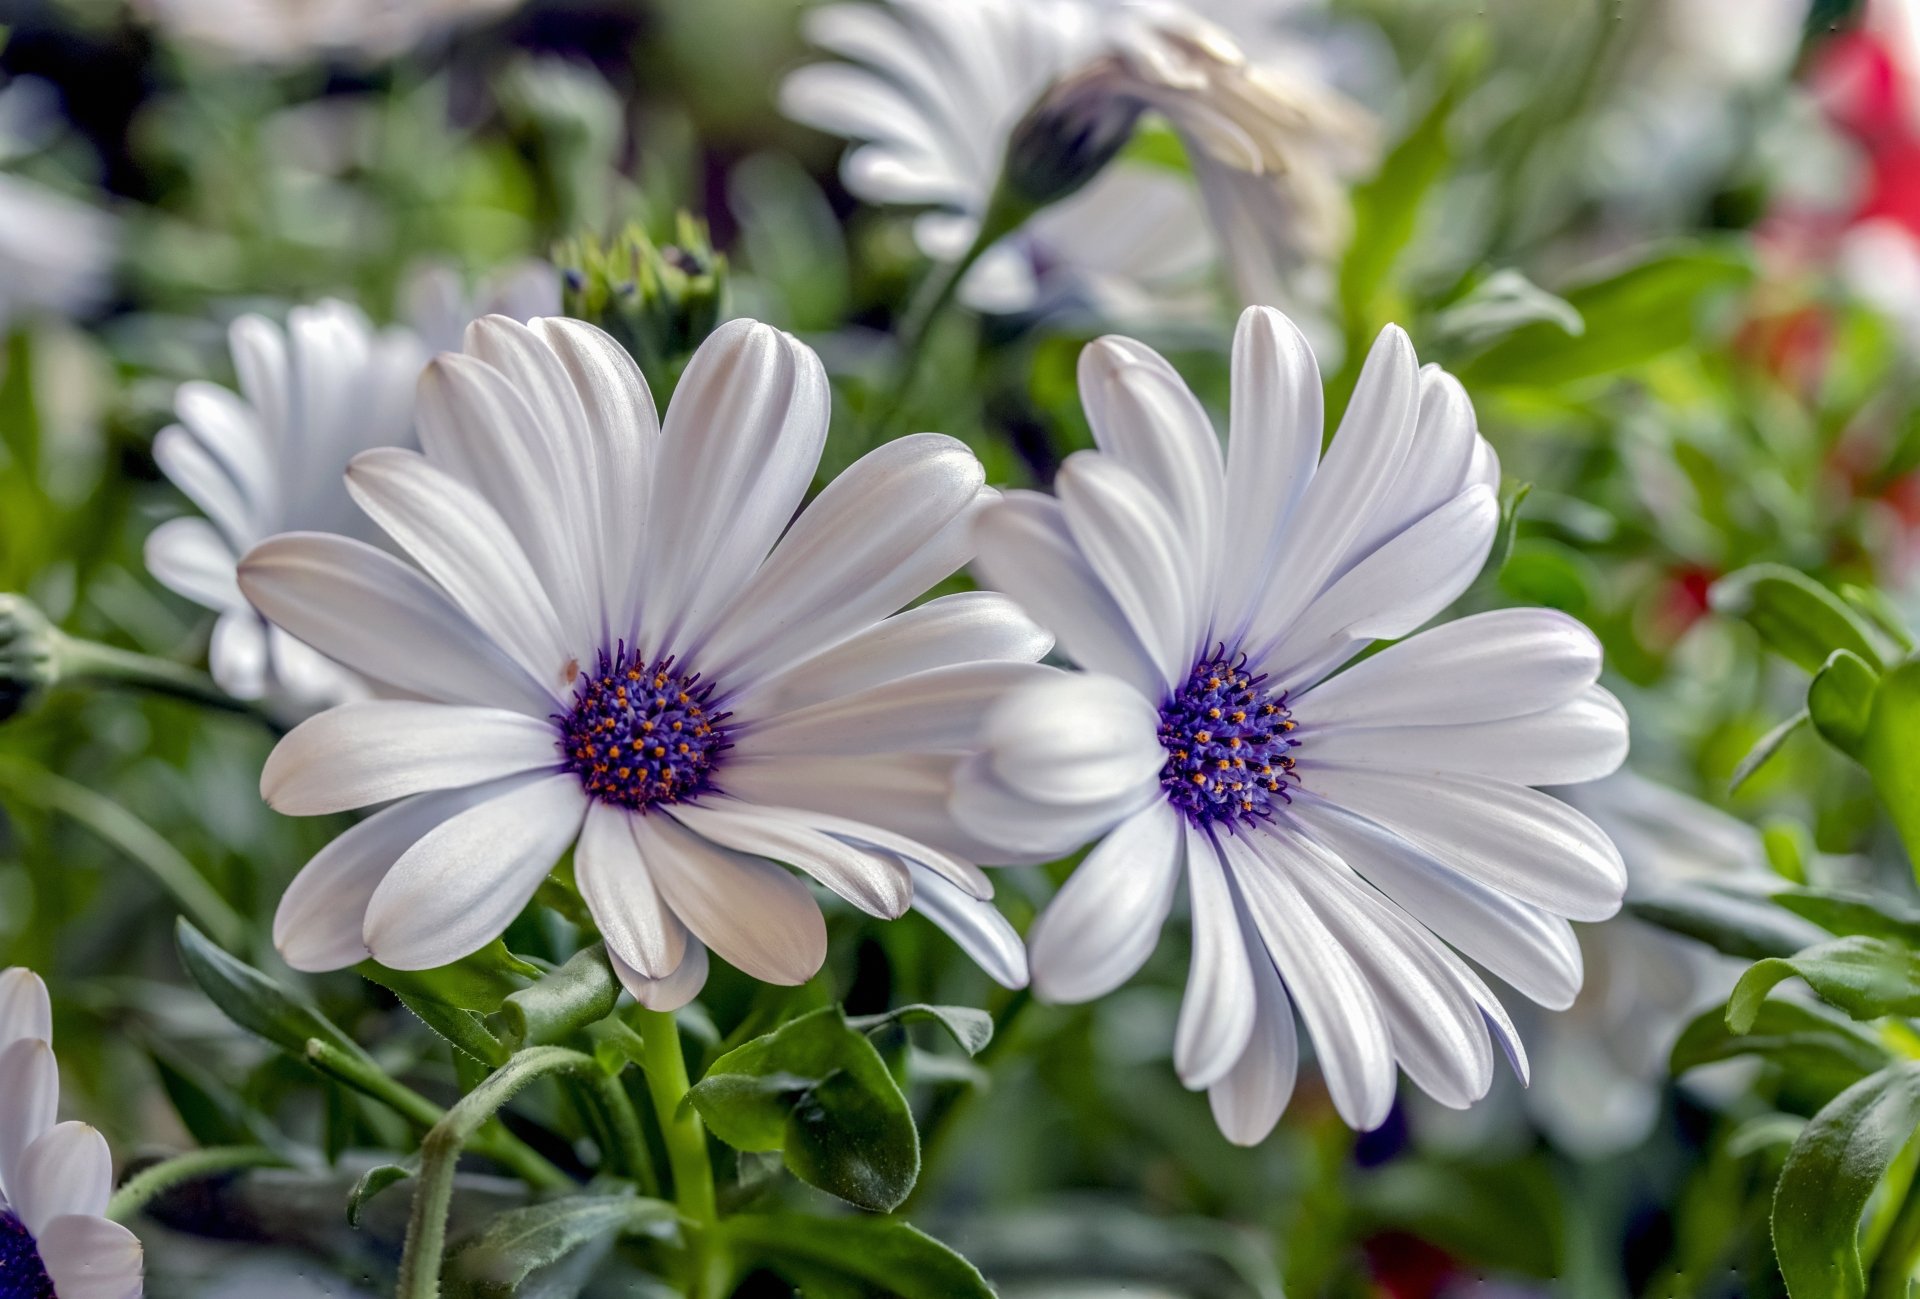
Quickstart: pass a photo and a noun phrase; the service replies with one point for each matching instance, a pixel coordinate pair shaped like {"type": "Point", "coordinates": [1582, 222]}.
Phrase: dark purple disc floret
{"type": "Point", "coordinates": [1229, 744]}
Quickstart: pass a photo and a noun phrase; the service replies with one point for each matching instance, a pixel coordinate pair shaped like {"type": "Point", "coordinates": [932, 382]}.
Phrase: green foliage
{"type": "Point", "coordinates": [520, 1241]}
{"type": "Point", "coordinates": [1818, 1050]}
{"type": "Point", "coordinates": [253, 1001]}
{"type": "Point", "coordinates": [1866, 977]}
{"type": "Point", "coordinates": [883, 1258]}
{"type": "Point", "coordinates": [1799, 619]}
{"type": "Point", "coordinates": [971, 1029]}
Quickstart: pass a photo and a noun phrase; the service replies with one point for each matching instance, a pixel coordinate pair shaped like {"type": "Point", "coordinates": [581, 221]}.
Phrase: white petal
{"type": "Point", "coordinates": [458, 888]}
{"type": "Point", "coordinates": [617, 885]}
{"type": "Point", "coordinates": [230, 431]}
{"type": "Point", "coordinates": [859, 552]}
{"type": "Point", "coordinates": [1517, 840]}
{"type": "Point", "coordinates": [1249, 1100]}
{"type": "Point", "coordinates": [1017, 828]}
{"type": "Point", "coordinates": [1217, 1009]}
{"type": "Point", "coordinates": [1350, 1035]}
{"type": "Point", "coordinates": [91, 1258]}
{"type": "Point", "coordinates": [1272, 448]}
{"type": "Point", "coordinates": [190, 558]}
{"type": "Point", "coordinates": [1534, 951]}
{"type": "Point", "coordinates": [1439, 464]}
{"type": "Point", "coordinates": [208, 484]}
{"type": "Point", "coordinates": [1130, 540]}
{"type": "Point", "coordinates": [939, 710]}
{"type": "Point", "coordinates": [975, 924]}
{"type": "Point", "coordinates": [1582, 739]}
{"type": "Point", "coordinates": [24, 1009]}
{"type": "Point", "coordinates": [321, 922]}
{"type": "Point", "coordinates": [877, 883]}
{"type": "Point", "coordinates": [958, 870]}
{"type": "Point", "coordinates": [1074, 738]}
{"type": "Point", "coordinates": [237, 655]}
{"type": "Point", "coordinates": [29, 1104]}
{"type": "Point", "coordinates": [760, 919]}
{"type": "Point", "coordinates": [906, 794]}
{"type": "Point", "coordinates": [1105, 920]}
{"type": "Point", "coordinates": [1474, 669]}
{"type": "Point", "coordinates": [672, 992]}
{"type": "Point", "coordinates": [967, 627]}
{"type": "Point", "coordinates": [363, 608]}
{"type": "Point", "coordinates": [1027, 550]}
{"type": "Point", "coordinates": [381, 749]}
{"type": "Point", "coordinates": [66, 1169]}
{"type": "Point", "coordinates": [742, 438]}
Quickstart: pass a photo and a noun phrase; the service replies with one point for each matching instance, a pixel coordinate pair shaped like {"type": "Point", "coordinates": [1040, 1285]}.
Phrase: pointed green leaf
{"type": "Point", "coordinates": [1840, 701]}
{"type": "Point", "coordinates": [520, 1241]}
{"type": "Point", "coordinates": [887, 1256]}
{"type": "Point", "coordinates": [1764, 748]}
{"type": "Point", "coordinates": [479, 982]}
{"type": "Point", "coordinates": [1798, 618]}
{"type": "Point", "coordinates": [1728, 920]}
{"type": "Point", "coordinates": [1814, 1047]}
{"type": "Point", "coordinates": [1840, 911]}
{"type": "Point", "coordinates": [375, 1180]}
{"type": "Point", "coordinates": [252, 1000]}
{"type": "Point", "coordinates": [1891, 752]}
{"type": "Point", "coordinates": [1865, 977]}
{"type": "Point", "coordinates": [971, 1028]}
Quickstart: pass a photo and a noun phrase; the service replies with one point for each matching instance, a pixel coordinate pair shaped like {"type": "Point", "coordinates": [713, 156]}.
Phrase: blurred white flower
{"type": "Point", "coordinates": [56, 252]}
{"type": "Point", "coordinates": [1600, 1066]}
{"type": "Point", "coordinates": [55, 1178]}
{"type": "Point", "coordinates": [270, 459]}
{"type": "Point", "coordinates": [1336, 832]}
{"type": "Point", "coordinates": [614, 641]}
{"type": "Point", "coordinates": [938, 90]}
{"type": "Point", "coordinates": [438, 302]}
{"type": "Point", "coordinates": [293, 31]}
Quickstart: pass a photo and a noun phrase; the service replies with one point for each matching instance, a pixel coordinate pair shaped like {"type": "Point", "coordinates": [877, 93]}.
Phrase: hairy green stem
{"type": "Point", "coordinates": [440, 1155]}
{"type": "Point", "coordinates": [686, 1139]}
{"type": "Point", "coordinates": [1899, 1254]}
{"type": "Point", "coordinates": [78, 659]}
{"type": "Point", "coordinates": [192, 1166]}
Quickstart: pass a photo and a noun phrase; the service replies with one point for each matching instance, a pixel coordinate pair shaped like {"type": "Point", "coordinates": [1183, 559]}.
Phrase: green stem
{"type": "Point", "coordinates": [630, 1144]}
{"type": "Point", "coordinates": [77, 659]}
{"type": "Point", "coordinates": [440, 1156]}
{"type": "Point", "coordinates": [686, 1140]}
{"type": "Point", "coordinates": [198, 900]}
{"type": "Point", "coordinates": [1899, 1254]}
{"type": "Point", "coordinates": [497, 1144]}
{"type": "Point", "coordinates": [193, 1165]}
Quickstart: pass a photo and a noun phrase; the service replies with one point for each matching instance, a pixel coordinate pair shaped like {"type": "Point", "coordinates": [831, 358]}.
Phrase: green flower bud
{"type": "Point", "coordinates": [660, 301]}
{"type": "Point", "coordinates": [1064, 140]}
{"type": "Point", "coordinates": [29, 653]}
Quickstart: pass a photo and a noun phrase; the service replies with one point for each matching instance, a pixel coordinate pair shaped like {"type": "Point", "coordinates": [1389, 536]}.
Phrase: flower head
{"type": "Point", "coordinates": [54, 1177]}
{"type": "Point", "coordinates": [1337, 830]}
{"type": "Point", "coordinates": [290, 31]}
{"type": "Point", "coordinates": [268, 459]}
{"type": "Point", "coordinates": [611, 639]}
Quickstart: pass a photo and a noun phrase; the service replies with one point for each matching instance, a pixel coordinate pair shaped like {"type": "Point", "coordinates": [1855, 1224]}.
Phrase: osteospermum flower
{"type": "Point", "coordinates": [614, 642]}
{"type": "Point", "coordinates": [55, 1178]}
{"type": "Point", "coordinates": [290, 31]}
{"type": "Point", "coordinates": [1337, 830]}
{"type": "Point", "coordinates": [267, 460]}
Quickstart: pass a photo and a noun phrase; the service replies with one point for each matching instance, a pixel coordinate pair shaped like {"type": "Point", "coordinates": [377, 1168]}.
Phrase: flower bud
{"type": "Point", "coordinates": [1065, 139]}
{"type": "Point", "coordinates": [29, 658]}
{"type": "Point", "coordinates": [660, 301]}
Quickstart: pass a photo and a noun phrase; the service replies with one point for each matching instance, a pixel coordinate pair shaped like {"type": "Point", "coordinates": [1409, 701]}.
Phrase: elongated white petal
{"type": "Point", "coordinates": [24, 1009]}
{"type": "Point", "coordinates": [672, 992]}
{"type": "Point", "coordinates": [381, 749]}
{"type": "Point", "coordinates": [617, 885]}
{"type": "Point", "coordinates": [190, 558]}
{"type": "Point", "coordinates": [1105, 920]}
{"type": "Point", "coordinates": [231, 433]}
{"type": "Point", "coordinates": [237, 654]}
{"type": "Point", "coordinates": [1350, 1035]}
{"type": "Point", "coordinates": [959, 871]}
{"type": "Point", "coordinates": [967, 627]}
{"type": "Point", "coordinates": [208, 484]}
{"type": "Point", "coordinates": [459, 887]}
{"type": "Point", "coordinates": [29, 1103]}
{"type": "Point", "coordinates": [939, 709]}
{"type": "Point", "coordinates": [88, 1257]}
{"type": "Point", "coordinates": [1512, 838]}
{"type": "Point", "coordinates": [1582, 739]}
{"type": "Point", "coordinates": [1249, 1100]}
{"type": "Point", "coordinates": [1017, 828]}
{"type": "Point", "coordinates": [741, 440]}
{"type": "Point", "coordinates": [1130, 540]}
{"type": "Point", "coordinates": [1439, 465]}
{"type": "Point", "coordinates": [1217, 1009]}
{"type": "Point", "coordinates": [877, 883]}
{"type": "Point", "coordinates": [1475, 669]}
{"type": "Point", "coordinates": [1074, 738]}
{"type": "Point", "coordinates": [759, 918]}
{"type": "Point", "coordinates": [66, 1169]}
{"type": "Point", "coordinates": [364, 609]}
{"type": "Point", "coordinates": [321, 921]}
{"type": "Point", "coordinates": [859, 552]}
{"type": "Point", "coordinates": [1027, 550]}
{"type": "Point", "coordinates": [975, 924]}
{"type": "Point", "coordinates": [1272, 449]}
{"type": "Point", "coordinates": [461, 541]}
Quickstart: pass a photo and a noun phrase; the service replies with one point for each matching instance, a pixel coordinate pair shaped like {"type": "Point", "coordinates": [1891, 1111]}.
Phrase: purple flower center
{"type": "Point", "coordinates": [1228, 744]}
{"type": "Point", "coordinates": [640, 734]}
{"type": "Point", "coordinates": [22, 1274]}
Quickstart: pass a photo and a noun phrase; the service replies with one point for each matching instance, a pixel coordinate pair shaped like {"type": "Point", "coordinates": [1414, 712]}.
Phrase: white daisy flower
{"type": "Point", "coordinates": [936, 90]}
{"type": "Point", "coordinates": [292, 31]}
{"type": "Point", "coordinates": [269, 459]}
{"type": "Point", "coordinates": [1337, 832]}
{"type": "Point", "coordinates": [56, 253]}
{"type": "Point", "coordinates": [614, 642]}
{"type": "Point", "coordinates": [438, 302]}
{"type": "Point", "coordinates": [55, 1178]}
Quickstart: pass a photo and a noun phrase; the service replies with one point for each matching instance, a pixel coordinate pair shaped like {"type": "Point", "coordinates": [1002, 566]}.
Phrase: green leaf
{"type": "Point", "coordinates": [1814, 1047]}
{"type": "Point", "coordinates": [252, 1000]}
{"type": "Point", "coordinates": [1503, 302]}
{"type": "Point", "coordinates": [1798, 618]}
{"type": "Point", "coordinates": [561, 1003]}
{"type": "Point", "coordinates": [1765, 747]}
{"type": "Point", "coordinates": [1840, 701]}
{"type": "Point", "coordinates": [1632, 315]}
{"type": "Point", "coordinates": [375, 1180]}
{"type": "Point", "coordinates": [1891, 752]}
{"type": "Point", "coordinates": [1829, 1175]}
{"type": "Point", "coordinates": [971, 1028]}
{"type": "Point", "coordinates": [1839, 911]}
{"type": "Point", "coordinates": [1730, 921]}
{"type": "Point", "coordinates": [890, 1257]}
{"type": "Point", "coordinates": [477, 982]}
{"type": "Point", "coordinates": [464, 1029]}
{"type": "Point", "coordinates": [520, 1241]}
{"type": "Point", "coordinates": [1865, 977]}
{"type": "Point", "coordinates": [817, 1091]}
